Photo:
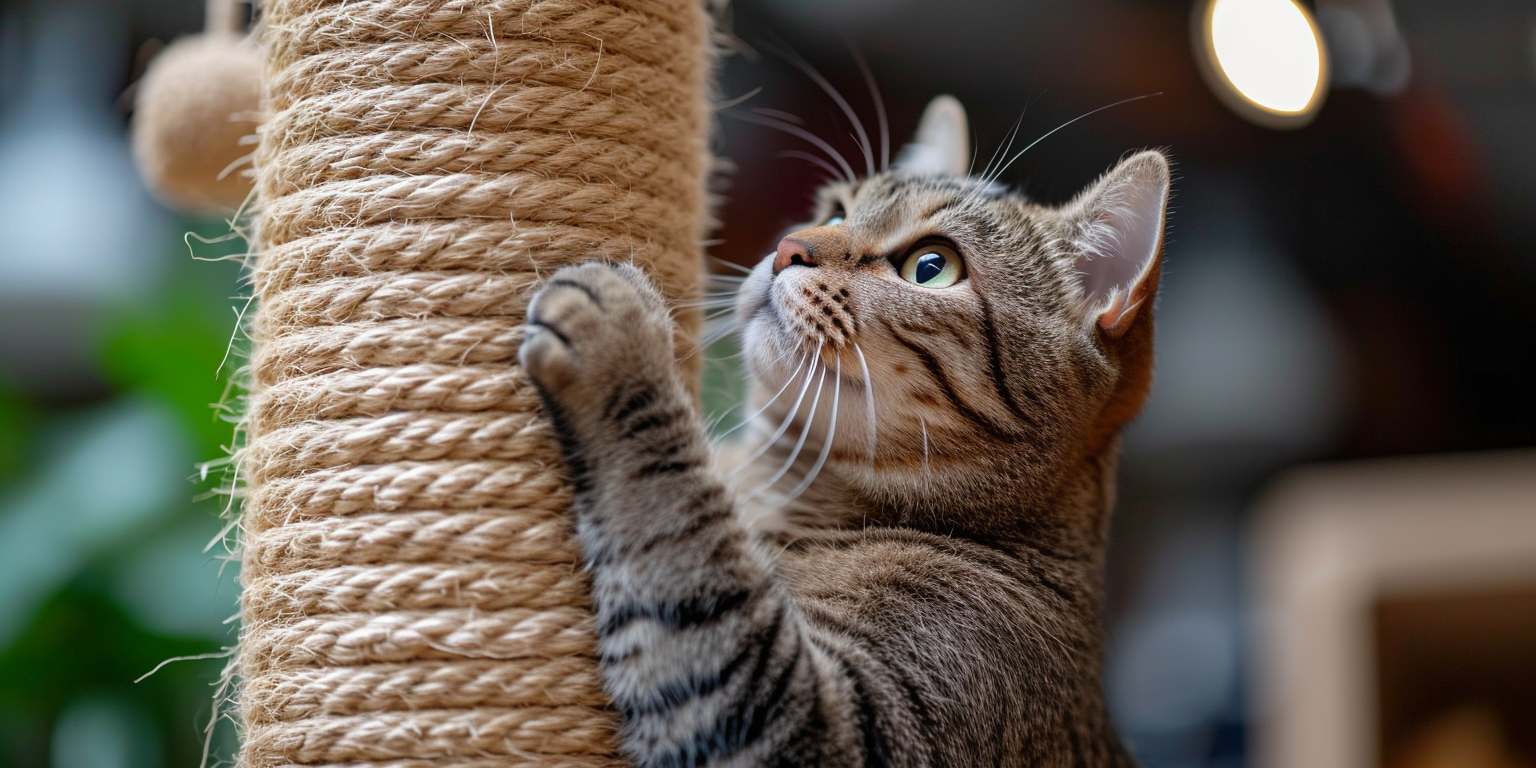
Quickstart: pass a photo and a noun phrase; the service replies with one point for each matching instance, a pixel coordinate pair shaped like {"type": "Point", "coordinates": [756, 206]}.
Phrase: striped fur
{"type": "Point", "coordinates": [929, 596]}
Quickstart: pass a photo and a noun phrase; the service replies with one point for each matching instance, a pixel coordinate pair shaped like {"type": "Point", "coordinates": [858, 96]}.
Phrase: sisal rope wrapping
{"type": "Point", "coordinates": [412, 595]}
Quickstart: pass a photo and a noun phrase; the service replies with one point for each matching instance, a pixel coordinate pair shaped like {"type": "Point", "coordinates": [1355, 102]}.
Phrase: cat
{"type": "Point", "coordinates": [943, 369]}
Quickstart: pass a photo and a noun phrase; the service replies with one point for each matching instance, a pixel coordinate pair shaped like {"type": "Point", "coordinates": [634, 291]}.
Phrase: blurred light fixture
{"type": "Point", "coordinates": [1265, 59]}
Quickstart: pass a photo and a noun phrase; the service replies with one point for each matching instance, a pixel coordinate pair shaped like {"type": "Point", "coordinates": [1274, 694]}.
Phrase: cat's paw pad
{"type": "Point", "coordinates": [590, 320]}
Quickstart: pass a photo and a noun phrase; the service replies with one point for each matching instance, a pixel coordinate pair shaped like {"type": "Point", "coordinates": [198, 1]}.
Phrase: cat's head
{"type": "Point", "coordinates": [978, 329]}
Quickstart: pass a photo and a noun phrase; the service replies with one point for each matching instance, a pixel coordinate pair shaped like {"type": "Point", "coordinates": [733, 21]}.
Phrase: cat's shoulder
{"type": "Point", "coordinates": [877, 557]}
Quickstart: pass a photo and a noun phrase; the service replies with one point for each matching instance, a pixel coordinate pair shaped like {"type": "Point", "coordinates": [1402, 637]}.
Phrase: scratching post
{"type": "Point", "coordinates": [412, 593]}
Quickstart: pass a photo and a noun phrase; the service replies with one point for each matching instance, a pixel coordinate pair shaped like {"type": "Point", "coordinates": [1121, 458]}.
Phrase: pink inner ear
{"type": "Point", "coordinates": [1119, 246]}
{"type": "Point", "coordinates": [1122, 310]}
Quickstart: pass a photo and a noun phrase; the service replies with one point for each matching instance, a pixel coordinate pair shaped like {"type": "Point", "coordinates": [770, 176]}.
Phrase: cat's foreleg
{"type": "Point", "coordinates": [706, 656]}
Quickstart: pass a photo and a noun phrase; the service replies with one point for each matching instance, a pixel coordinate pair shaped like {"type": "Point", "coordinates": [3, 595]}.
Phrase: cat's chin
{"type": "Point", "coordinates": [773, 357]}
{"type": "Point", "coordinates": [773, 349]}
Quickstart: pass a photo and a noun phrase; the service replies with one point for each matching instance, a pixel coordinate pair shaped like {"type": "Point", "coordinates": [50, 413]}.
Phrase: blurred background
{"type": "Point", "coordinates": [1356, 288]}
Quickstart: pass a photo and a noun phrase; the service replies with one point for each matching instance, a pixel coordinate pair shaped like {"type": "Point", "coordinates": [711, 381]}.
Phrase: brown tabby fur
{"type": "Point", "coordinates": [932, 596]}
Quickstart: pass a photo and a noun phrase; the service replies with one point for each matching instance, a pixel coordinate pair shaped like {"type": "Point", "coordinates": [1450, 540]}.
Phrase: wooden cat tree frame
{"type": "Point", "coordinates": [412, 593]}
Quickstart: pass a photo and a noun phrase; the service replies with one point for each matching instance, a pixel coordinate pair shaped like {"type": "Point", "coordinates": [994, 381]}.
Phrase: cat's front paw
{"type": "Point", "coordinates": [590, 325]}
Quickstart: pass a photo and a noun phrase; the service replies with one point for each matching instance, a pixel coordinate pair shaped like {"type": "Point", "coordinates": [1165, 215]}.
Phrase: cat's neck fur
{"type": "Point", "coordinates": [1058, 509]}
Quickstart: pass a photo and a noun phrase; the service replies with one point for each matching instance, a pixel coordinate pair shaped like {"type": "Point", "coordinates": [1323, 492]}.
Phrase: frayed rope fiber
{"type": "Point", "coordinates": [412, 593]}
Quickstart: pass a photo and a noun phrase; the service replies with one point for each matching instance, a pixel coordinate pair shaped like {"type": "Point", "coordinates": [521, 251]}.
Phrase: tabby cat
{"type": "Point", "coordinates": [909, 574]}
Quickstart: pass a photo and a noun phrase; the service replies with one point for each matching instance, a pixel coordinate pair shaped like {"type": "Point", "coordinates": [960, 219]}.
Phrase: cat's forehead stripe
{"type": "Point", "coordinates": [896, 213]}
{"type": "Point", "coordinates": [939, 206]}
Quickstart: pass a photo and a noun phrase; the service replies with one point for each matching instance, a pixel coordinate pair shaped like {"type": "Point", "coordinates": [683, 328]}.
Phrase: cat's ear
{"type": "Point", "coordinates": [1117, 235]}
{"type": "Point", "coordinates": [943, 143]}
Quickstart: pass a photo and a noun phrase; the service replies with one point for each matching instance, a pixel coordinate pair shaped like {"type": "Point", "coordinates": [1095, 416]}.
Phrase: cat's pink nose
{"type": "Point", "coordinates": [793, 251]}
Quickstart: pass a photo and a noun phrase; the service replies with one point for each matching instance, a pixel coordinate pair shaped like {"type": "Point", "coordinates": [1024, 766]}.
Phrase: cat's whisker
{"type": "Point", "coordinates": [721, 302]}
{"type": "Point", "coordinates": [805, 67]}
{"type": "Point", "coordinates": [739, 99]}
{"type": "Point", "coordinates": [718, 324]}
{"type": "Point", "coordinates": [784, 425]}
{"type": "Point", "coordinates": [805, 432]}
{"type": "Point", "coordinates": [716, 327]}
{"type": "Point", "coordinates": [715, 297]}
{"type": "Point", "coordinates": [722, 324]}
{"type": "Point", "coordinates": [800, 133]}
{"type": "Point", "coordinates": [869, 401]}
{"type": "Point", "coordinates": [798, 155]}
{"type": "Point", "coordinates": [716, 419]}
{"type": "Point", "coordinates": [826, 443]}
{"type": "Point", "coordinates": [782, 356]}
{"type": "Point", "coordinates": [999, 152]}
{"type": "Point", "coordinates": [729, 265]}
{"type": "Point", "coordinates": [874, 93]}
{"type": "Point", "coordinates": [710, 337]}
{"type": "Point", "coordinates": [1006, 145]}
{"type": "Point", "coordinates": [713, 422]}
{"type": "Point", "coordinates": [737, 355]}
{"type": "Point", "coordinates": [804, 359]}
{"type": "Point", "coordinates": [715, 317]}
{"type": "Point", "coordinates": [1063, 125]}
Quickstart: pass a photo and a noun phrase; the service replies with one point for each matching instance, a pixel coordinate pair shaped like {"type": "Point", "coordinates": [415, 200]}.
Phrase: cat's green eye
{"type": "Point", "coordinates": [836, 218]}
{"type": "Point", "coordinates": [932, 266]}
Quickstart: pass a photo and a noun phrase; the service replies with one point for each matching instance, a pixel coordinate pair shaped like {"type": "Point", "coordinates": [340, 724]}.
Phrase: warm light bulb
{"type": "Point", "coordinates": [1264, 57]}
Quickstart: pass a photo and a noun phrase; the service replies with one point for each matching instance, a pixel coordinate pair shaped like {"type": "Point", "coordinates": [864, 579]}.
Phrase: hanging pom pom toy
{"type": "Point", "coordinates": [195, 116]}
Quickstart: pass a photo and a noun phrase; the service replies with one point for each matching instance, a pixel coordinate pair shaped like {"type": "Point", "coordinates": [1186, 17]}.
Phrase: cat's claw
{"type": "Point", "coordinates": [590, 323]}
